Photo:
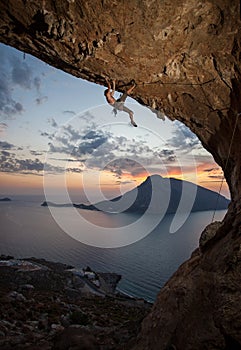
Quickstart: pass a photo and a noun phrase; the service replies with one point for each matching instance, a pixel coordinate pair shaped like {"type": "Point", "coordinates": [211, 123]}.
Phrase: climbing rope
{"type": "Point", "coordinates": [168, 83]}
{"type": "Point", "coordinates": [179, 83]}
{"type": "Point", "coordinates": [226, 164]}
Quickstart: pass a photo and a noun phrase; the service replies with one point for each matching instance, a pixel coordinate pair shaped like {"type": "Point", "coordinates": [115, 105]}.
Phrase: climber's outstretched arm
{"type": "Point", "coordinates": [112, 92]}
{"type": "Point", "coordinates": [113, 88]}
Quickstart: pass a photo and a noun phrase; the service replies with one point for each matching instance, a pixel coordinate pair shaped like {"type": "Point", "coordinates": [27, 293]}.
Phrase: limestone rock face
{"type": "Point", "coordinates": [185, 58]}
{"type": "Point", "coordinates": [208, 233]}
{"type": "Point", "coordinates": [200, 306]}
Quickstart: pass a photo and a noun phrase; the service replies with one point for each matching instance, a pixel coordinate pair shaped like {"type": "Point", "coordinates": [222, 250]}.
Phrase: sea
{"type": "Point", "coordinates": [30, 230]}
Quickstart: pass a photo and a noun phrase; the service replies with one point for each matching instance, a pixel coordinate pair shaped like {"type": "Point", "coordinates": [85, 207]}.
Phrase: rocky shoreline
{"type": "Point", "coordinates": [53, 306]}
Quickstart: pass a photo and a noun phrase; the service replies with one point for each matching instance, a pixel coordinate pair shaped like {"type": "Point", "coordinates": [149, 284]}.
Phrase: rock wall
{"type": "Point", "coordinates": [185, 57]}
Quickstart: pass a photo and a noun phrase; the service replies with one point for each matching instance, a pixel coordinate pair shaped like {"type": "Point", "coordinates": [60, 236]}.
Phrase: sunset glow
{"type": "Point", "coordinates": [57, 132]}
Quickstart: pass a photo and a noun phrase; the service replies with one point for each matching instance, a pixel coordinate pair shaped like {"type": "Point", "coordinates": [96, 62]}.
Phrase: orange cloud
{"type": "Point", "coordinates": [210, 175]}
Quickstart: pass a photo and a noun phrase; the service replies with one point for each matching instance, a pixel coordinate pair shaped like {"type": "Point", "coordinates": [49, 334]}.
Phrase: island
{"type": "Point", "coordinates": [5, 199]}
{"type": "Point", "coordinates": [151, 197]}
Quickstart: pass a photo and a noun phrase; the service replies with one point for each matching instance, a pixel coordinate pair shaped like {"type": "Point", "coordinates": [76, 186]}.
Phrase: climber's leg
{"type": "Point", "coordinates": [131, 114]}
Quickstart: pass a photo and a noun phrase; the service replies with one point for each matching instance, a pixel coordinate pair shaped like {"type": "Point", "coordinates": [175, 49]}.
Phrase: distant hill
{"type": "Point", "coordinates": [160, 195]}
{"type": "Point", "coordinates": [79, 206]}
{"type": "Point", "coordinates": [5, 199]}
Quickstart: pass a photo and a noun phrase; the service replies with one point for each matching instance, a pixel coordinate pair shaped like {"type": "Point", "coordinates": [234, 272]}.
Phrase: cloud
{"type": "Point", "coordinates": [74, 142]}
{"type": "Point", "coordinates": [211, 169]}
{"type": "Point", "coordinates": [14, 72]}
{"type": "Point", "coordinates": [125, 165]}
{"type": "Point", "coordinates": [216, 176]}
{"type": "Point", "coordinates": [5, 153]}
{"type": "Point", "coordinates": [125, 182]}
{"type": "Point", "coordinates": [69, 112]}
{"type": "Point", "coordinates": [44, 133]}
{"type": "Point", "coordinates": [66, 159]}
{"type": "Point", "coordinates": [3, 127]}
{"type": "Point", "coordinates": [21, 73]}
{"type": "Point", "coordinates": [74, 170]}
{"type": "Point", "coordinates": [122, 163]}
{"type": "Point", "coordinates": [12, 164]}
{"type": "Point", "coordinates": [168, 154]}
{"type": "Point", "coordinates": [53, 122]}
{"type": "Point", "coordinates": [214, 173]}
{"type": "Point", "coordinates": [71, 133]}
{"type": "Point", "coordinates": [18, 107]}
{"type": "Point", "coordinates": [183, 139]}
{"type": "Point", "coordinates": [8, 106]}
{"type": "Point", "coordinates": [58, 149]}
{"type": "Point", "coordinates": [89, 146]}
{"type": "Point", "coordinates": [41, 100]}
{"type": "Point", "coordinates": [91, 135]}
{"type": "Point", "coordinates": [36, 153]}
{"type": "Point", "coordinates": [102, 150]}
{"type": "Point", "coordinates": [9, 163]}
{"type": "Point", "coordinates": [37, 83]}
{"type": "Point", "coordinates": [6, 145]}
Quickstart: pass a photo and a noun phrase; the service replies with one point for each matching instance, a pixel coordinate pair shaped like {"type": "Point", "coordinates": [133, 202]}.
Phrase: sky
{"type": "Point", "coordinates": [57, 134]}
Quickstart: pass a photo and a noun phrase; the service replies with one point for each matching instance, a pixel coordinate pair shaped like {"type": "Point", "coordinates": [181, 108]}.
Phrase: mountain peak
{"type": "Point", "coordinates": [154, 177]}
{"type": "Point", "coordinates": [153, 194]}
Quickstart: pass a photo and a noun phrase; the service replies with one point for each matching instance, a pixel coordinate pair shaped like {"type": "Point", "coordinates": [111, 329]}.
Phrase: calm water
{"type": "Point", "coordinates": [27, 229]}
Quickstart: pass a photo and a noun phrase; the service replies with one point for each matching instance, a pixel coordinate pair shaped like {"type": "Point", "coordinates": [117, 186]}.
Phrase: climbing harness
{"type": "Point", "coordinates": [226, 164]}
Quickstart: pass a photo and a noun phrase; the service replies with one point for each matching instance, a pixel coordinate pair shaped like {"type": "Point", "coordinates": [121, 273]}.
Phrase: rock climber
{"type": "Point", "coordinates": [119, 103]}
